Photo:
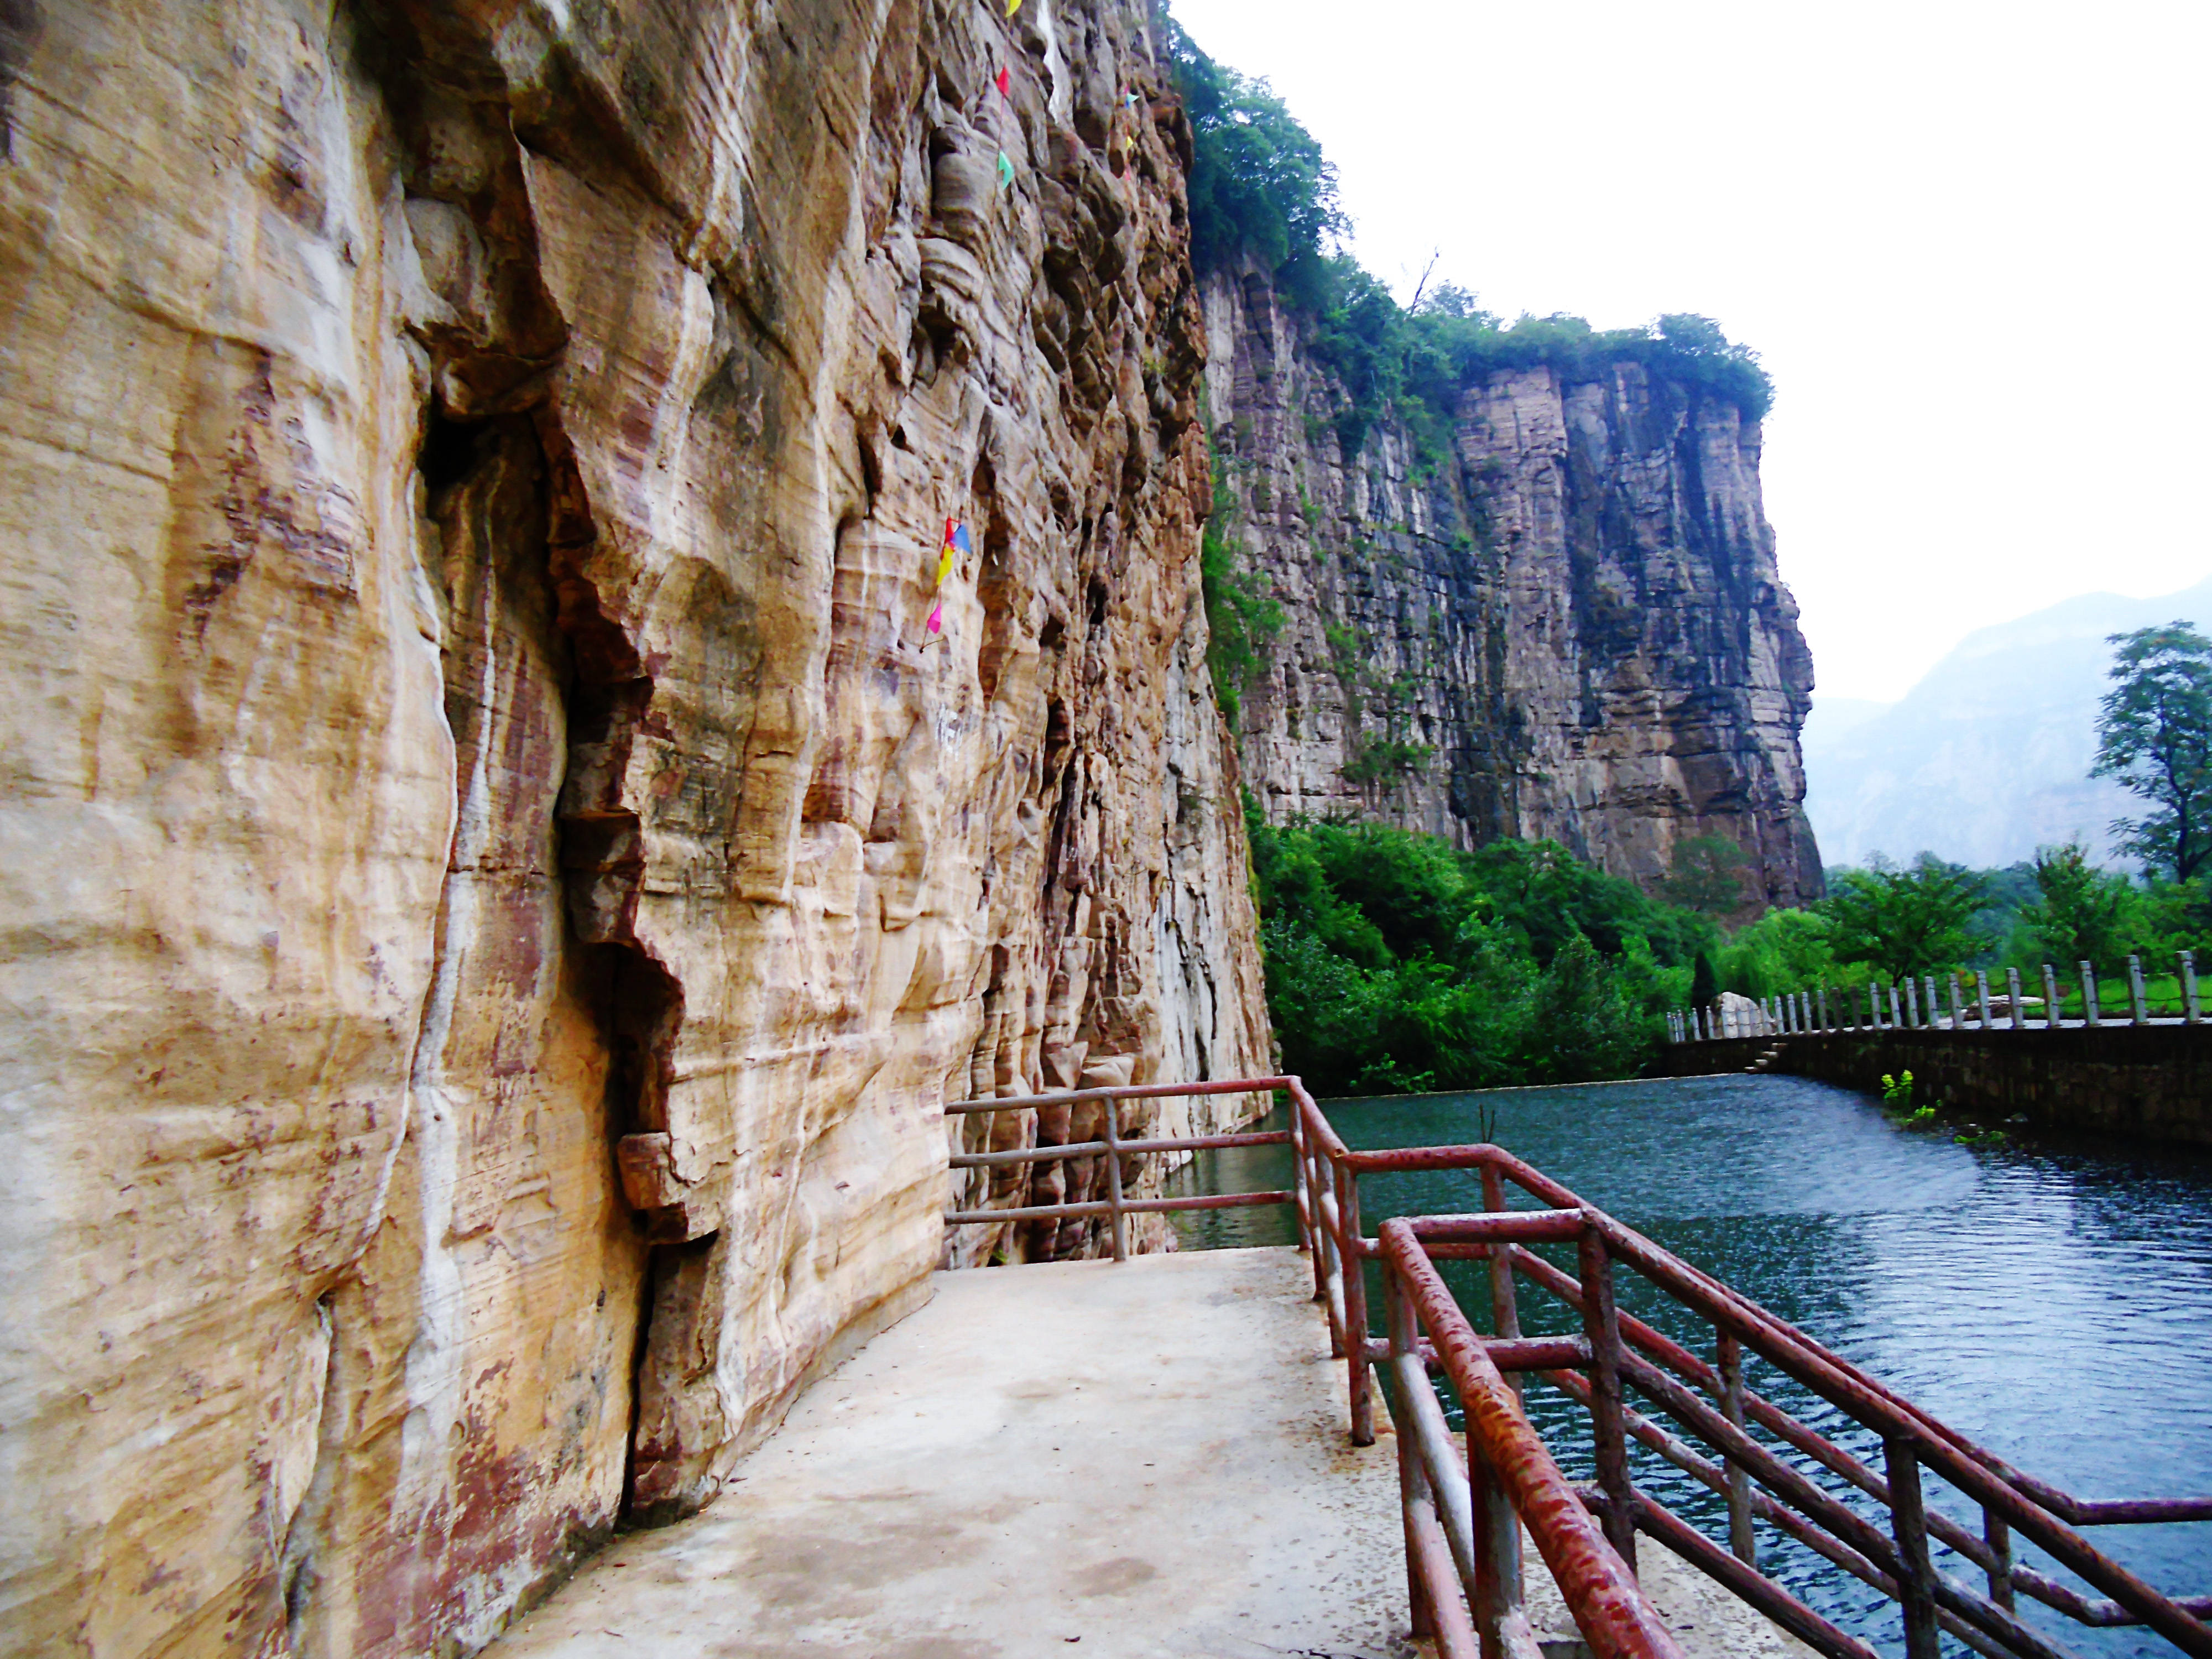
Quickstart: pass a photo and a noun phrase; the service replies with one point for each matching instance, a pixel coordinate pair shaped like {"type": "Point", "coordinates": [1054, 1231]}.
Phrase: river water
{"type": "Point", "coordinates": [2050, 1298]}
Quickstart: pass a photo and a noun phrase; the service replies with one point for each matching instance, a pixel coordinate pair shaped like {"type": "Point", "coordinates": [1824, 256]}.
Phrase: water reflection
{"type": "Point", "coordinates": [2054, 1301]}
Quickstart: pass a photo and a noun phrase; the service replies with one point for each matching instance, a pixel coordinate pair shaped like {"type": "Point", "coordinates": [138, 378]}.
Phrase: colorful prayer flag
{"type": "Point", "coordinates": [1006, 83]}
{"type": "Point", "coordinates": [944, 564]}
{"type": "Point", "coordinates": [936, 623]}
{"type": "Point", "coordinates": [1013, 6]}
{"type": "Point", "coordinates": [960, 539]}
{"type": "Point", "coordinates": [1006, 172]}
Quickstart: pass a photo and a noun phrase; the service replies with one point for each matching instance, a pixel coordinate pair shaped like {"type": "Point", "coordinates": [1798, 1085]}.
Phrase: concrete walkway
{"type": "Point", "coordinates": [1085, 1458]}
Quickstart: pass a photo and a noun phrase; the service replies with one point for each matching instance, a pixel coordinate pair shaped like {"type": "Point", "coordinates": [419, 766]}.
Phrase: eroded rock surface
{"type": "Point", "coordinates": [499, 882]}
{"type": "Point", "coordinates": [1570, 627]}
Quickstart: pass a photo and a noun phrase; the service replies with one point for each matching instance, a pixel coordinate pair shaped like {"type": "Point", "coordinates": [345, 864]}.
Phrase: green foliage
{"type": "Point", "coordinates": [2080, 913]}
{"type": "Point", "coordinates": [1785, 950]}
{"type": "Point", "coordinates": [1897, 1090]}
{"type": "Point", "coordinates": [1902, 921]}
{"type": "Point", "coordinates": [1704, 877]}
{"type": "Point", "coordinates": [2154, 737]}
{"type": "Point", "coordinates": [1259, 183]}
{"type": "Point", "coordinates": [1395, 962]}
{"type": "Point", "coordinates": [1386, 760]}
{"type": "Point", "coordinates": [1242, 613]}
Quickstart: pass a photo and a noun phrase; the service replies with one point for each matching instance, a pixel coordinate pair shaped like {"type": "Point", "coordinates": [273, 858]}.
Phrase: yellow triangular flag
{"type": "Point", "coordinates": [1013, 6]}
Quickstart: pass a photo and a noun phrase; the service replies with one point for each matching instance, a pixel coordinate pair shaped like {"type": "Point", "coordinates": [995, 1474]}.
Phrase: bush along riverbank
{"type": "Point", "coordinates": [1397, 963]}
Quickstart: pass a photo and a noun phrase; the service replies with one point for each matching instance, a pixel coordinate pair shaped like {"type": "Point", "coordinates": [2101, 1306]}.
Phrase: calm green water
{"type": "Point", "coordinates": [2053, 1299]}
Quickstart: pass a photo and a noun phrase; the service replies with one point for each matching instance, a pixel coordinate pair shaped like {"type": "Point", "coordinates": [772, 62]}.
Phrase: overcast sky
{"type": "Point", "coordinates": [1969, 242]}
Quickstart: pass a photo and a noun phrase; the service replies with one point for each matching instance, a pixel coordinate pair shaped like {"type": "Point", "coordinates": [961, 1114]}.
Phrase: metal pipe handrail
{"type": "Point", "coordinates": [2009, 1500]}
{"type": "Point", "coordinates": [1464, 1519]}
{"type": "Point", "coordinates": [1116, 1206]}
{"type": "Point", "coordinates": [1609, 1607]}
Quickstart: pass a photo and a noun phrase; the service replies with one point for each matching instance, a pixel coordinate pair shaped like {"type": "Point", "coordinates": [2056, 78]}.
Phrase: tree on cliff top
{"type": "Point", "coordinates": [1915, 921]}
{"type": "Point", "coordinates": [1259, 183]}
{"type": "Point", "coordinates": [1261, 188]}
{"type": "Point", "coordinates": [2154, 737]}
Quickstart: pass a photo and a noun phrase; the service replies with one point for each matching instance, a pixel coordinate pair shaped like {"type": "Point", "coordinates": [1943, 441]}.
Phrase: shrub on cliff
{"type": "Point", "coordinates": [1396, 961]}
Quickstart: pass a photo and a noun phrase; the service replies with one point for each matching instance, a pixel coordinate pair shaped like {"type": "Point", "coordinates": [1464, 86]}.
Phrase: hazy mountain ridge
{"type": "Point", "coordinates": [1988, 757]}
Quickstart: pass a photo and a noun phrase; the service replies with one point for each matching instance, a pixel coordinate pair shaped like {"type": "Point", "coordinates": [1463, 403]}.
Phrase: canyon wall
{"type": "Point", "coordinates": [500, 876]}
{"type": "Point", "coordinates": [1569, 626]}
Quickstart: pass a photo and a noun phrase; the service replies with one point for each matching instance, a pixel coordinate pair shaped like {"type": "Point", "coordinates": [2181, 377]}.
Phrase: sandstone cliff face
{"type": "Point", "coordinates": [498, 881]}
{"type": "Point", "coordinates": [1578, 613]}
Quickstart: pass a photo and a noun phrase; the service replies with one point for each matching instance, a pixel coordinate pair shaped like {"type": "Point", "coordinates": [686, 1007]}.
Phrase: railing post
{"type": "Point", "coordinates": [1957, 1009]}
{"type": "Point", "coordinates": [2189, 1011]}
{"type": "Point", "coordinates": [2090, 1012]}
{"type": "Point", "coordinates": [1913, 1002]}
{"type": "Point", "coordinates": [1915, 1587]}
{"type": "Point", "coordinates": [1359, 1394]}
{"type": "Point", "coordinates": [1404, 1333]}
{"type": "Point", "coordinates": [1742, 1540]}
{"type": "Point", "coordinates": [1896, 1018]}
{"type": "Point", "coordinates": [1302, 1186]}
{"type": "Point", "coordinates": [1998, 1536]}
{"type": "Point", "coordinates": [1982, 999]}
{"type": "Point", "coordinates": [1113, 1181]}
{"type": "Point", "coordinates": [1824, 1005]}
{"type": "Point", "coordinates": [1934, 1010]}
{"type": "Point", "coordinates": [1497, 1553]}
{"type": "Point", "coordinates": [2012, 990]}
{"type": "Point", "coordinates": [2135, 991]}
{"type": "Point", "coordinates": [1608, 1431]}
{"type": "Point", "coordinates": [2050, 998]}
{"type": "Point", "coordinates": [1504, 1313]}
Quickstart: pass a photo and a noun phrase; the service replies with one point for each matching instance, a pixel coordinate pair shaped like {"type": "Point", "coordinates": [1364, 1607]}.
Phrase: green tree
{"type": "Point", "coordinates": [1258, 184]}
{"type": "Point", "coordinates": [2082, 914]}
{"type": "Point", "coordinates": [1913, 921]}
{"type": "Point", "coordinates": [1395, 961]}
{"type": "Point", "coordinates": [1704, 878]}
{"type": "Point", "coordinates": [1581, 1026]}
{"type": "Point", "coordinates": [2154, 737]}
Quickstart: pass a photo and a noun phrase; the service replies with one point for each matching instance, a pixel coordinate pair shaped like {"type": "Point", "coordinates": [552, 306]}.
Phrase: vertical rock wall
{"type": "Point", "coordinates": [498, 880]}
{"type": "Point", "coordinates": [1570, 628]}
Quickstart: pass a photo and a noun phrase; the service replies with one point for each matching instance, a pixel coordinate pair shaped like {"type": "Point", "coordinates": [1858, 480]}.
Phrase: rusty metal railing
{"type": "Point", "coordinates": [1116, 1206]}
{"type": "Point", "coordinates": [1464, 1512]}
{"type": "Point", "coordinates": [1507, 1467]}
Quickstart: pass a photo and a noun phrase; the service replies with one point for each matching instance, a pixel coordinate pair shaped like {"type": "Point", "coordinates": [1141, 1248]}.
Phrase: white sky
{"type": "Point", "coordinates": [1969, 241]}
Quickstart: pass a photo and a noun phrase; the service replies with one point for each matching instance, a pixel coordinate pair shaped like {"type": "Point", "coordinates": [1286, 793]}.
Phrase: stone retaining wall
{"type": "Point", "coordinates": [2152, 1082]}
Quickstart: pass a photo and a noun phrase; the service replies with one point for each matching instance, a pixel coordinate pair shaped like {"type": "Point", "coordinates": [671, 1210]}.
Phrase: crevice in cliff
{"type": "Point", "coordinates": [297, 1560]}
{"type": "Point", "coordinates": [637, 1003]}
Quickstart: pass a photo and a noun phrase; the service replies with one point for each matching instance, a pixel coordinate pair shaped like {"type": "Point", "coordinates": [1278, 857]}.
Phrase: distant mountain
{"type": "Point", "coordinates": [1988, 757]}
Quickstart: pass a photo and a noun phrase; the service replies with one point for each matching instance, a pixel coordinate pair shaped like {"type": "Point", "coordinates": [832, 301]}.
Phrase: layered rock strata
{"type": "Point", "coordinates": [500, 880]}
{"type": "Point", "coordinates": [1569, 625]}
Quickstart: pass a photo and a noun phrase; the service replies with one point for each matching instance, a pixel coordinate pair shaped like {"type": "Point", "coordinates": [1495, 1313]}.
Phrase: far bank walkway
{"type": "Point", "coordinates": [1083, 1459]}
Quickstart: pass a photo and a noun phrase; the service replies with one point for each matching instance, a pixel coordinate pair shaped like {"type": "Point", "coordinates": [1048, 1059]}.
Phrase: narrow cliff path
{"type": "Point", "coordinates": [1082, 1458]}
